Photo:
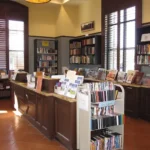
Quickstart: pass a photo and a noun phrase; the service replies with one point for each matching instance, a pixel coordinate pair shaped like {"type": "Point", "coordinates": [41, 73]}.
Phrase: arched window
{"type": "Point", "coordinates": [13, 36]}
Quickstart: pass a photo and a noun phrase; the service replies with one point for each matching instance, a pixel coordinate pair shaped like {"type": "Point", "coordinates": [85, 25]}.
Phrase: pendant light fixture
{"type": "Point", "coordinates": [38, 1]}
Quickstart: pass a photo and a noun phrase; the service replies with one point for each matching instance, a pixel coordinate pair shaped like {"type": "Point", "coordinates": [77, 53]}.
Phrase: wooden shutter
{"type": "Point", "coordinates": [3, 38]}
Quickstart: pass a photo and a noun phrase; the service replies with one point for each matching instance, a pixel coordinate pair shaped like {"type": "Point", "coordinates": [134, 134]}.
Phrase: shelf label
{"type": "Point", "coordinates": [107, 103]}
{"type": "Point", "coordinates": [83, 101]}
{"type": "Point", "coordinates": [45, 43]}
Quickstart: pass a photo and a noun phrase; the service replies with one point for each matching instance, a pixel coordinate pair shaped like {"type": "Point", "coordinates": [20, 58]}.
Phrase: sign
{"type": "Point", "coordinates": [45, 43]}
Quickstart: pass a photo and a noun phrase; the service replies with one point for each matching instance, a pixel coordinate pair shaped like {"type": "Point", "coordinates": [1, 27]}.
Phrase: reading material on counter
{"type": "Point", "coordinates": [69, 85]}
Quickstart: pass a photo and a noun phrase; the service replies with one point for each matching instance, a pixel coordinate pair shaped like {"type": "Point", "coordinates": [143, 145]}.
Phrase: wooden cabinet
{"type": "Point", "coordinates": [145, 104]}
{"type": "Point", "coordinates": [31, 98]}
{"type": "Point", "coordinates": [132, 101]}
{"type": "Point", "coordinates": [65, 123]}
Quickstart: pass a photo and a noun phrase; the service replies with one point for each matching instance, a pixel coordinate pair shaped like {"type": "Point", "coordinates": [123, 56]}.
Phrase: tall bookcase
{"type": "Point", "coordinates": [85, 50]}
{"type": "Point", "coordinates": [84, 132]}
{"type": "Point", "coordinates": [143, 48]}
{"type": "Point", "coordinates": [46, 56]}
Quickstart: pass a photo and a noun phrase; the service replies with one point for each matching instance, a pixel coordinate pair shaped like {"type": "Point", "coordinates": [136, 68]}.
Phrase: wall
{"type": "Point", "coordinates": [67, 20]}
{"type": "Point", "coordinates": [42, 20]}
{"type": "Point", "coordinates": [90, 11]}
{"type": "Point", "coordinates": [146, 11]}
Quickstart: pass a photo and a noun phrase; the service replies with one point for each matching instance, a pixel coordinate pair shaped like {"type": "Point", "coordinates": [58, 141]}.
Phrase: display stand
{"type": "Point", "coordinates": [84, 116]}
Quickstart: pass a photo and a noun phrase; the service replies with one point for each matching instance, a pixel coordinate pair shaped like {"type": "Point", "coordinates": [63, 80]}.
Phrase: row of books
{"type": "Point", "coordinates": [84, 51]}
{"type": "Point", "coordinates": [143, 49]}
{"type": "Point", "coordinates": [88, 41]}
{"type": "Point", "coordinates": [47, 57]}
{"type": "Point", "coordinates": [143, 59]}
{"type": "Point", "coordinates": [46, 64]}
{"type": "Point", "coordinates": [106, 141]}
{"type": "Point", "coordinates": [75, 45]}
{"type": "Point", "coordinates": [42, 50]}
{"type": "Point", "coordinates": [75, 52]}
{"type": "Point", "coordinates": [101, 92]}
{"type": "Point", "coordinates": [48, 70]}
{"type": "Point", "coordinates": [88, 51]}
{"type": "Point", "coordinates": [98, 123]}
{"type": "Point", "coordinates": [132, 76]}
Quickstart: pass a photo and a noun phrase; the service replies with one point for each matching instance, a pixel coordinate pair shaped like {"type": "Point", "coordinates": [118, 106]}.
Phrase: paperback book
{"type": "Point", "coordinates": [111, 76]}
{"type": "Point", "coordinates": [131, 74]}
{"type": "Point", "coordinates": [121, 76]}
{"type": "Point", "coordinates": [146, 81]}
{"type": "Point", "coordinates": [101, 74]}
{"type": "Point", "coordinates": [138, 77]}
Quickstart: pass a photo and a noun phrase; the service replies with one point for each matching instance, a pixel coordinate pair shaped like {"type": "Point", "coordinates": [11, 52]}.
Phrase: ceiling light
{"type": "Point", "coordinates": [38, 1]}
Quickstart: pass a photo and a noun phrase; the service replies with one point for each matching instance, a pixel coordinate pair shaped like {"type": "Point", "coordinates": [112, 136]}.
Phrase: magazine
{"type": "Point", "coordinates": [121, 76]}
{"type": "Point", "coordinates": [111, 75]}
{"type": "Point", "coordinates": [138, 77]}
{"type": "Point", "coordinates": [131, 76]}
{"type": "Point", "coordinates": [146, 81]}
{"type": "Point", "coordinates": [101, 74]}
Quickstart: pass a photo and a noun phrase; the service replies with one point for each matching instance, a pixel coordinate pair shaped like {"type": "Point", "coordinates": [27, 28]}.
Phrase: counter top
{"type": "Point", "coordinates": [24, 85]}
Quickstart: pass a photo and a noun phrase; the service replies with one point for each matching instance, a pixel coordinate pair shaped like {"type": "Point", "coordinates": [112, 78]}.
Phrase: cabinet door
{"type": "Point", "coordinates": [132, 98]}
{"type": "Point", "coordinates": [39, 116]}
{"type": "Point", "coordinates": [31, 98]}
{"type": "Point", "coordinates": [65, 125]}
{"type": "Point", "coordinates": [22, 105]}
{"type": "Point", "coordinates": [145, 104]}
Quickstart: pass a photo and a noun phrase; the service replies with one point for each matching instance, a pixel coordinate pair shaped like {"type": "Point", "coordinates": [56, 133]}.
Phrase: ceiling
{"type": "Point", "coordinates": [72, 2]}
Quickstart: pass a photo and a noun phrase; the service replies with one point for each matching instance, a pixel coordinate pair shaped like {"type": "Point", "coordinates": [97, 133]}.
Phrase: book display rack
{"type": "Point", "coordinates": [46, 55]}
{"type": "Point", "coordinates": [100, 116]}
{"type": "Point", "coordinates": [4, 88]}
{"type": "Point", "coordinates": [85, 50]}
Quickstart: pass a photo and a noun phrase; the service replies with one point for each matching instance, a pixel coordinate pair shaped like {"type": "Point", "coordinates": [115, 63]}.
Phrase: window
{"type": "Point", "coordinates": [120, 46]}
{"type": "Point", "coordinates": [3, 44]}
{"type": "Point", "coordinates": [16, 45]}
{"type": "Point", "coordinates": [13, 36]}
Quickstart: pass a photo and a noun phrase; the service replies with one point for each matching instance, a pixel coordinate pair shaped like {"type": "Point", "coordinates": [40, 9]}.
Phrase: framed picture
{"type": "Point", "coordinates": [88, 26]}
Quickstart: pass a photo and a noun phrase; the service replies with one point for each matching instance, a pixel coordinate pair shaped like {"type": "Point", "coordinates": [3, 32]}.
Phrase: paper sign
{"type": "Point", "coordinates": [45, 43]}
{"type": "Point", "coordinates": [70, 75]}
{"type": "Point", "coordinates": [83, 101]}
{"type": "Point", "coordinates": [39, 84]}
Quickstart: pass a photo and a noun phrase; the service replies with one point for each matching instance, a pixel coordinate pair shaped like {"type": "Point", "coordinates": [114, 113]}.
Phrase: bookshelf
{"type": "Point", "coordinates": [85, 50]}
{"type": "Point", "coordinates": [46, 56]}
{"type": "Point", "coordinates": [84, 124]}
{"type": "Point", "coordinates": [143, 48]}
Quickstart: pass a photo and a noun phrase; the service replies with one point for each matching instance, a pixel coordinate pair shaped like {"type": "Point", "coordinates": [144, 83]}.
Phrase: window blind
{"type": "Point", "coordinates": [120, 39]}
{"type": "Point", "coordinates": [3, 44]}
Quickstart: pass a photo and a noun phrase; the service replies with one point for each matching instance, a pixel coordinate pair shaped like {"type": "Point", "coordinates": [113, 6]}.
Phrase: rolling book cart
{"type": "Point", "coordinates": [100, 116]}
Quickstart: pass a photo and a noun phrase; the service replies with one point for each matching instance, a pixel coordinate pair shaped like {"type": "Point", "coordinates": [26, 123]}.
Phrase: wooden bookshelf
{"type": "Point", "coordinates": [143, 49]}
{"type": "Point", "coordinates": [85, 50]}
{"type": "Point", "coordinates": [46, 56]}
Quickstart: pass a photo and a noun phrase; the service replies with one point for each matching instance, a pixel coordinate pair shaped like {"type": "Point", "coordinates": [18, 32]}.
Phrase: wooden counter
{"type": "Point", "coordinates": [54, 115]}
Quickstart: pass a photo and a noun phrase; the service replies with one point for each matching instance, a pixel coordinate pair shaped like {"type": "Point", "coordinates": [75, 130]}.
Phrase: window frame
{"type": "Point", "coordinates": [117, 5]}
{"type": "Point", "coordinates": [10, 10]}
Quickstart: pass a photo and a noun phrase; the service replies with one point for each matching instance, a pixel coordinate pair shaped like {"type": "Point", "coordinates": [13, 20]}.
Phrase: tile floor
{"type": "Point", "coordinates": [18, 134]}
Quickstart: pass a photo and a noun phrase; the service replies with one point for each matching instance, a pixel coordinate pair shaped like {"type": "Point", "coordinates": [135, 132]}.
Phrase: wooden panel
{"type": "Point", "coordinates": [31, 98]}
{"type": "Point", "coordinates": [22, 105]}
{"type": "Point", "coordinates": [65, 124]}
{"type": "Point", "coordinates": [39, 111]}
{"type": "Point", "coordinates": [132, 101]}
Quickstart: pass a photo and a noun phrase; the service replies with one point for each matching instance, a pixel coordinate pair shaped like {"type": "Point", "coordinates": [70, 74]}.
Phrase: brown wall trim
{"type": "Point", "coordinates": [146, 24]}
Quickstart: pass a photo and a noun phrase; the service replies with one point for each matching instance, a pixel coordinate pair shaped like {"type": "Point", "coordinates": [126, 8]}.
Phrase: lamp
{"type": "Point", "coordinates": [38, 1]}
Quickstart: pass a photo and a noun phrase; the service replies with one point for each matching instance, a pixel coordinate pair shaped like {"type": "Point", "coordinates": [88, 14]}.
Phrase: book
{"type": "Point", "coordinates": [121, 76]}
{"type": "Point", "coordinates": [131, 76]}
{"type": "Point", "coordinates": [39, 83]}
{"type": "Point", "coordinates": [111, 76]}
{"type": "Point", "coordinates": [146, 81]}
{"type": "Point", "coordinates": [138, 77]}
{"type": "Point", "coordinates": [101, 74]}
